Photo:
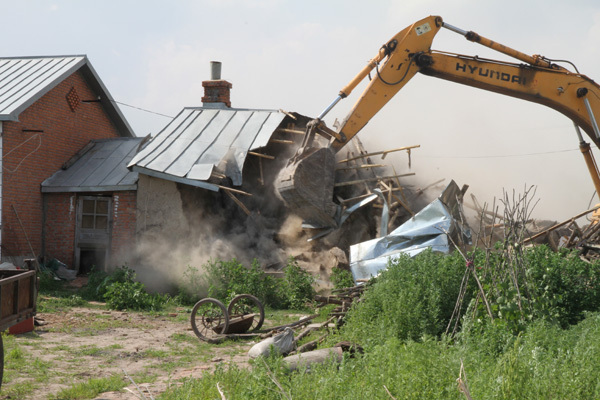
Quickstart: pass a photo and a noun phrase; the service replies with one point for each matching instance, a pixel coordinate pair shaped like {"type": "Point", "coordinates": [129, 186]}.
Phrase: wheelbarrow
{"type": "Point", "coordinates": [211, 320]}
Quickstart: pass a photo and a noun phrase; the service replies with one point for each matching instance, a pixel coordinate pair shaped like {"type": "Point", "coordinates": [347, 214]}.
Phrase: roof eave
{"type": "Point", "coordinates": [106, 100]}
{"type": "Point", "coordinates": [173, 178]}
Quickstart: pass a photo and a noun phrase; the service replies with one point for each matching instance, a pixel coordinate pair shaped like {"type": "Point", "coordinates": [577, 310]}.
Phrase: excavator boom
{"type": "Point", "coordinates": [535, 79]}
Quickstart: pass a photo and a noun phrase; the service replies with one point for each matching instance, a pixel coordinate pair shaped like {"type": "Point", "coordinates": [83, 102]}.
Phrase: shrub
{"type": "Point", "coordinates": [99, 282]}
{"type": "Point", "coordinates": [564, 285]}
{"type": "Point", "coordinates": [296, 290]}
{"type": "Point", "coordinates": [412, 298]}
{"type": "Point", "coordinates": [557, 287]}
{"type": "Point", "coordinates": [193, 286]}
{"type": "Point", "coordinates": [341, 278]}
{"type": "Point", "coordinates": [132, 296]}
{"type": "Point", "coordinates": [230, 278]}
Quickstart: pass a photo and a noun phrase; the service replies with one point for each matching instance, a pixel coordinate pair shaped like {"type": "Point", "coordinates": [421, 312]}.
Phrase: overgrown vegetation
{"type": "Point", "coordinates": [523, 322]}
{"type": "Point", "coordinates": [226, 279]}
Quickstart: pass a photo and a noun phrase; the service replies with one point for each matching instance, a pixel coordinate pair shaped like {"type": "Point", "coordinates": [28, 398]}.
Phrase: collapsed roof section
{"type": "Point", "coordinates": [202, 141]}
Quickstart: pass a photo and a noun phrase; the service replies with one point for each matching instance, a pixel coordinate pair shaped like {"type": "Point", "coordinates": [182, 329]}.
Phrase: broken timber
{"type": "Point", "coordinates": [371, 179]}
{"type": "Point", "coordinates": [384, 153]}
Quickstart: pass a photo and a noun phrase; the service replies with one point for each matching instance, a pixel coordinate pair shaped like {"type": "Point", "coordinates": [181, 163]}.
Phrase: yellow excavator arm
{"type": "Point", "coordinates": [535, 79]}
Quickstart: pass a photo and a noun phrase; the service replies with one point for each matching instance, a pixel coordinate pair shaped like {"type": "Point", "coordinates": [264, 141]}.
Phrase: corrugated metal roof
{"type": "Point", "coordinates": [199, 140]}
{"type": "Point", "coordinates": [101, 168]}
{"type": "Point", "coordinates": [24, 80]}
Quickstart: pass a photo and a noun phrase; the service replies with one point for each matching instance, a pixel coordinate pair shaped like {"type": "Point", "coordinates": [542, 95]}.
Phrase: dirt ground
{"type": "Point", "coordinates": [87, 342]}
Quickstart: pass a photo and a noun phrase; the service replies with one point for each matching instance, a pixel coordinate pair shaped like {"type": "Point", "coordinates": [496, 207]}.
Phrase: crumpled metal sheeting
{"type": "Point", "coordinates": [428, 229]}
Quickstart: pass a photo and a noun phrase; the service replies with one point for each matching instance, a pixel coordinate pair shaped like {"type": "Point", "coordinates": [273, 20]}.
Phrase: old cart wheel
{"type": "Point", "coordinates": [245, 304]}
{"type": "Point", "coordinates": [209, 319]}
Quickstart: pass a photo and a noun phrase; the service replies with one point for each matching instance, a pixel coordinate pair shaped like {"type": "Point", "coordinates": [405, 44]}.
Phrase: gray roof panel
{"type": "Point", "coordinates": [24, 80]}
{"type": "Point", "coordinates": [200, 139]}
{"type": "Point", "coordinates": [102, 168]}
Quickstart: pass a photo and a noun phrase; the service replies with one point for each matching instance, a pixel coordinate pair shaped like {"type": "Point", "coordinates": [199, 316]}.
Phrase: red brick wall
{"type": "Point", "coordinates": [61, 218]}
{"type": "Point", "coordinates": [60, 226]}
{"type": "Point", "coordinates": [123, 229]}
{"type": "Point", "coordinates": [31, 157]}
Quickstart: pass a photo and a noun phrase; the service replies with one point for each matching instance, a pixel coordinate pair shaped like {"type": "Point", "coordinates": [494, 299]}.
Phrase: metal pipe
{"type": "Point", "coordinates": [592, 118]}
{"type": "Point", "coordinates": [215, 70]}
{"type": "Point", "coordinates": [333, 103]}
{"type": "Point", "coordinates": [454, 29]}
{"type": "Point", "coordinates": [579, 135]}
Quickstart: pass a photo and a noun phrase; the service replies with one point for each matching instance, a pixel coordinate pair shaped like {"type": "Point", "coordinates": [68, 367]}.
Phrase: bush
{"type": "Point", "coordinates": [341, 278]}
{"type": "Point", "coordinates": [296, 290]}
{"type": "Point", "coordinates": [99, 282]}
{"type": "Point", "coordinates": [230, 278]}
{"type": "Point", "coordinates": [412, 298]}
{"type": "Point", "coordinates": [227, 279]}
{"type": "Point", "coordinates": [132, 296]}
{"type": "Point", "coordinates": [193, 286]}
{"type": "Point", "coordinates": [556, 287]}
{"type": "Point", "coordinates": [564, 286]}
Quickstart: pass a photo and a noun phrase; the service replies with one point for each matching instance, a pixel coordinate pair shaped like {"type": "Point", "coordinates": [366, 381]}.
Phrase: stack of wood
{"type": "Point", "coordinates": [344, 298]}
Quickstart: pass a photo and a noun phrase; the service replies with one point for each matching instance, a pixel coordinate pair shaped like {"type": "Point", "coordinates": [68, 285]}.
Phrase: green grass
{"type": "Point", "coordinates": [23, 374]}
{"type": "Point", "coordinates": [544, 362]}
{"type": "Point", "coordinates": [92, 388]}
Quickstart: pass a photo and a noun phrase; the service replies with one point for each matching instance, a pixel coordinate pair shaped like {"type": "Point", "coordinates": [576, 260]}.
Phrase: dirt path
{"type": "Point", "coordinates": [86, 342]}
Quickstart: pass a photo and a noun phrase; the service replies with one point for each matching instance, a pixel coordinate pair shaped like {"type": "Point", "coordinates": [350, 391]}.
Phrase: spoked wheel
{"type": "Point", "coordinates": [209, 319]}
{"type": "Point", "coordinates": [244, 305]}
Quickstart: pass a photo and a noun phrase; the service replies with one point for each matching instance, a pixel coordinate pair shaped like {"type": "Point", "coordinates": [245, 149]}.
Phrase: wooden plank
{"type": "Point", "coordinates": [371, 179]}
{"type": "Point", "coordinates": [384, 153]}
{"type": "Point", "coordinates": [253, 153]}
{"type": "Point", "coordinates": [238, 202]}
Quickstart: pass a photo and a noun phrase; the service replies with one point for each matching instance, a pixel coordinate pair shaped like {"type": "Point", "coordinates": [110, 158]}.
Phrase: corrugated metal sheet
{"type": "Point", "coordinates": [23, 80]}
{"type": "Point", "coordinates": [102, 168]}
{"type": "Point", "coordinates": [200, 139]}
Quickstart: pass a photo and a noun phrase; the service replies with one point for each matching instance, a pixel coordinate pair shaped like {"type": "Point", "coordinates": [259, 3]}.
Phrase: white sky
{"type": "Point", "coordinates": [297, 55]}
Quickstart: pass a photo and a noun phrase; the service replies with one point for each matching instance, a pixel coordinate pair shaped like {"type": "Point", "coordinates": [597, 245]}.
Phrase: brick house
{"type": "Point", "coordinates": [50, 109]}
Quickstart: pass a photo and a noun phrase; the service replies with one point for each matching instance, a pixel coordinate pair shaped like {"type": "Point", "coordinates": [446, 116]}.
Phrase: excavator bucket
{"type": "Point", "coordinates": [306, 186]}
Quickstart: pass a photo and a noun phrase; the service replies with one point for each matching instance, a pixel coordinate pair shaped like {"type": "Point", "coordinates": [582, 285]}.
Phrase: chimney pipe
{"type": "Point", "coordinates": [215, 70]}
{"type": "Point", "coordinates": [216, 91]}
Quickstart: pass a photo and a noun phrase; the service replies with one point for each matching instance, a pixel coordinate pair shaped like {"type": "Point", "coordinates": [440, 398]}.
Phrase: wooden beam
{"type": "Point", "coordinates": [282, 141]}
{"type": "Point", "coordinates": [238, 202]}
{"type": "Point", "coordinates": [253, 153]}
{"type": "Point", "coordinates": [287, 130]}
{"type": "Point", "coordinates": [226, 188]}
{"type": "Point", "coordinates": [371, 179]}
{"type": "Point", "coordinates": [561, 224]}
{"type": "Point", "coordinates": [362, 166]}
{"type": "Point", "coordinates": [384, 152]}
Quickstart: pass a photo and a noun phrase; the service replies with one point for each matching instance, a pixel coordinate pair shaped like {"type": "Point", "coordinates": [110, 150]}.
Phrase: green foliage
{"type": "Point", "coordinates": [55, 304]}
{"type": "Point", "coordinates": [99, 282]}
{"type": "Point", "coordinates": [92, 388]}
{"type": "Point", "coordinates": [341, 278]}
{"type": "Point", "coordinates": [543, 362]}
{"type": "Point", "coordinates": [230, 278]}
{"type": "Point", "coordinates": [296, 290]}
{"type": "Point", "coordinates": [49, 283]}
{"type": "Point", "coordinates": [412, 298]}
{"type": "Point", "coordinates": [192, 287]}
{"type": "Point", "coordinates": [545, 285]}
{"type": "Point", "coordinates": [133, 296]}
{"type": "Point", "coordinates": [564, 286]}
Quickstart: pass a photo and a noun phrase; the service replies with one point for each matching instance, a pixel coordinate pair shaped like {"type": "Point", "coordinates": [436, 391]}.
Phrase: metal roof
{"type": "Point", "coordinates": [201, 139]}
{"type": "Point", "coordinates": [24, 80]}
{"type": "Point", "coordinates": [101, 166]}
